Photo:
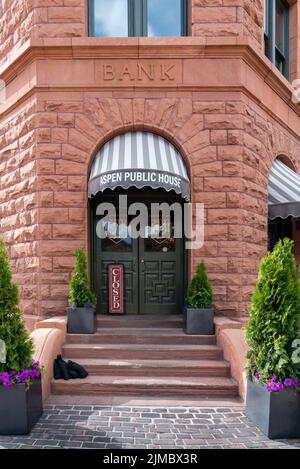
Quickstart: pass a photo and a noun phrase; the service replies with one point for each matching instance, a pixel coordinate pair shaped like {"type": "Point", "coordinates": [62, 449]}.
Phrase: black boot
{"type": "Point", "coordinates": [73, 374]}
{"type": "Point", "coordinates": [56, 370]}
{"type": "Point", "coordinates": [63, 367]}
{"type": "Point", "coordinates": [75, 367]}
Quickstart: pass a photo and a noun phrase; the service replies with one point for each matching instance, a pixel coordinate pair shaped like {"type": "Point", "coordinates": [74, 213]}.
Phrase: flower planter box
{"type": "Point", "coordinates": [21, 406]}
{"type": "Point", "coordinates": [81, 321]}
{"type": "Point", "coordinates": [277, 414]}
{"type": "Point", "coordinates": [199, 321]}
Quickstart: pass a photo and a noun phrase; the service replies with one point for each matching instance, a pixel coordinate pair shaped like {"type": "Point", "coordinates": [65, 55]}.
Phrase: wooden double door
{"type": "Point", "coordinates": [154, 268]}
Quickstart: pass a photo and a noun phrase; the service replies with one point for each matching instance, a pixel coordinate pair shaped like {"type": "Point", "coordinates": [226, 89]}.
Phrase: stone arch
{"type": "Point", "coordinates": [287, 160]}
{"type": "Point", "coordinates": [141, 128]}
{"type": "Point", "coordinates": [172, 118]}
{"type": "Point", "coordinates": [151, 148]}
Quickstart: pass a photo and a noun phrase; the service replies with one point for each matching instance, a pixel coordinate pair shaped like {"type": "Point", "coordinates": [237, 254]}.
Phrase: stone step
{"type": "Point", "coordinates": [155, 402]}
{"type": "Point", "coordinates": [140, 321]}
{"type": "Point", "coordinates": [172, 368]}
{"type": "Point", "coordinates": [192, 386]}
{"type": "Point", "coordinates": [137, 335]}
{"type": "Point", "coordinates": [143, 351]}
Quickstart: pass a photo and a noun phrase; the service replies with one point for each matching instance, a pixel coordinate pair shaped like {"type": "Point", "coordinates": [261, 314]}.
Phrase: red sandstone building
{"type": "Point", "coordinates": [207, 98]}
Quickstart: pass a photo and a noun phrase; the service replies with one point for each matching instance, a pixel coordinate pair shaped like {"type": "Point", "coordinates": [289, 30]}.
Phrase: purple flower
{"type": "Point", "coordinates": [273, 378]}
{"type": "Point", "coordinates": [4, 377]}
{"type": "Point", "coordinates": [13, 377]}
{"type": "Point", "coordinates": [257, 375]}
{"type": "Point", "coordinates": [34, 374]}
{"type": "Point", "coordinates": [23, 376]}
{"type": "Point", "coordinates": [288, 382]}
{"type": "Point", "coordinates": [268, 388]}
{"type": "Point", "coordinates": [280, 386]}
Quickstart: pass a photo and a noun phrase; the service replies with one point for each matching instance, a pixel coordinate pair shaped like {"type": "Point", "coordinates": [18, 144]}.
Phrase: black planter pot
{"type": "Point", "coordinates": [276, 413]}
{"type": "Point", "coordinates": [199, 321]}
{"type": "Point", "coordinates": [81, 321]}
{"type": "Point", "coordinates": [21, 406]}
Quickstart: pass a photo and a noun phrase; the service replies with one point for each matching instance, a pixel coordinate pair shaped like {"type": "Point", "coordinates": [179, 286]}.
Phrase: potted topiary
{"type": "Point", "coordinates": [81, 312]}
{"type": "Point", "coordinates": [199, 315]}
{"type": "Point", "coordinates": [20, 377]}
{"type": "Point", "coordinates": [273, 399]}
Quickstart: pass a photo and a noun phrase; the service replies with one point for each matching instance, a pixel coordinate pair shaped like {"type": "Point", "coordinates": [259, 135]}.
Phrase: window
{"type": "Point", "coordinates": [121, 18]}
{"type": "Point", "coordinates": [109, 18]}
{"type": "Point", "coordinates": [165, 18]}
{"type": "Point", "coordinates": [277, 34]}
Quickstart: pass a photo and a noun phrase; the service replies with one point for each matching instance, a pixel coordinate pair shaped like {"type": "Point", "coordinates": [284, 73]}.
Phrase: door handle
{"type": "Point", "coordinates": [143, 265]}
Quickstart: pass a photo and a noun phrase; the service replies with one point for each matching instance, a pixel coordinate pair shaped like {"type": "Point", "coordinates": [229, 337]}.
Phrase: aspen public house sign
{"type": "Point", "coordinates": [135, 177]}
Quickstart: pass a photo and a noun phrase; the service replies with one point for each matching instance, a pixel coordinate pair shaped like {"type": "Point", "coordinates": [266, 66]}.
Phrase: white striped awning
{"type": "Point", "coordinates": [284, 192]}
{"type": "Point", "coordinates": [139, 159]}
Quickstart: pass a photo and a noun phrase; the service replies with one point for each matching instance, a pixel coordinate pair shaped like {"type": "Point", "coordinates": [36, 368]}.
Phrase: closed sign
{"type": "Point", "coordinates": [116, 288]}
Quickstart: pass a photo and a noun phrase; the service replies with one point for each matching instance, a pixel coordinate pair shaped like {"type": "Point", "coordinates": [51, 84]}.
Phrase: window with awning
{"type": "Point", "coordinates": [139, 159]}
{"type": "Point", "coordinates": [284, 192]}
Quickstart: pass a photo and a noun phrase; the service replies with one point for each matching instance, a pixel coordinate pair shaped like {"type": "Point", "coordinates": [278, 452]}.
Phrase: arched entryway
{"type": "Point", "coordinates": [145, 169]}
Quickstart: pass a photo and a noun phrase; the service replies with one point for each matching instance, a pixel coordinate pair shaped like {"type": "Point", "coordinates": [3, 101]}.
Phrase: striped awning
{"type": "Point", "coordinates": [139, 159]}
{"type": "Point", "coordinates": [284, 192]}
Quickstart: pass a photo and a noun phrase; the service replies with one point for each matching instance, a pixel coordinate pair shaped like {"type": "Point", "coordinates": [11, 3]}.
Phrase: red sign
{"type": "Point", "coordinates": [116, 288]}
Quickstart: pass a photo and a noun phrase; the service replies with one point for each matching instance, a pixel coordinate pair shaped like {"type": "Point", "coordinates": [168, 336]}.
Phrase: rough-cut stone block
{"type": "Point", "coordinates": [53, 215]}
{"type": "Point", "coordinates": [208, 14]}
{"type": "Point", "coordinates": [69, 199]}
{"type": "Point", "coordinates": [65, 231]}
{"type": "Point", "coordinates": [65, 119]}
{"type": "Point", "coordinates": [55, 183]}
{"type": "Point", "coordinates": [228, 216]}
{"type": "Point", "coordinates": [223, 121]}
{"type": "Point", "coordinates": [69, 167]}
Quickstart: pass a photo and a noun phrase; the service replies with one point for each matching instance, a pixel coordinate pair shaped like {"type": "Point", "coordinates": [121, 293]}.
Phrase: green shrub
{"type": "Point", "coordinates": [275, 315]}
{"type": "Point", "coordinates": [80, 293]}
{"type": "Point", "coordinates": [199, 292]}
{"type": "Point", "coordinates": [19, 347]}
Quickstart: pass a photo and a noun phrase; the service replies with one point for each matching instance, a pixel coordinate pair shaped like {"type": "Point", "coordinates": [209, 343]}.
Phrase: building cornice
{"type": "Point", "coordinates": [149, 48]}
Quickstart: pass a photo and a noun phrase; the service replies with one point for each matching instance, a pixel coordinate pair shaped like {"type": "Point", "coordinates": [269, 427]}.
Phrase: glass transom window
{"type": "Point", "coordinates": [109, 18]}
{"type": "Point", "coordinates": [121, 18]}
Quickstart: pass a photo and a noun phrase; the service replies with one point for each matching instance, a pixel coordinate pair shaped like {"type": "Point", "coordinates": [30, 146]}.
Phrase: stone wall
{"type": "Point", "coordinates": [24, 19]}
{"type": "Point", "coordinates": [21, 19]}
{"type": "Point", "coordinates": [219, 110]}
{"type": "Point", "coordinates": [230, 145]}
{"type": "Point", "coordinates": [16, 23]}
{"type": "Point", "coordinates": [60, 18]}
{"type": "Point", "coordinates": [67, 18]}
{"type": "Point", "coordinates": [228, 18]}
{"type": "Point", "coordinates": [19, 200]}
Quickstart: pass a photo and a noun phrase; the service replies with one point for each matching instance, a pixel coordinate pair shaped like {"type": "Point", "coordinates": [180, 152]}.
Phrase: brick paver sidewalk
{"type": "Point", "coordinates": [86, 426]}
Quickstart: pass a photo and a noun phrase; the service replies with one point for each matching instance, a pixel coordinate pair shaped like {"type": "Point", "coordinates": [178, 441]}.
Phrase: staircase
{"type": "Point", "coordinates": [143, 356]}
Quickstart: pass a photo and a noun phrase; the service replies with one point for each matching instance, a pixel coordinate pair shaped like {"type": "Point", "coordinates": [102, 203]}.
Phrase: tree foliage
{"type": "Point", "coordinates": [19, 347]}
{"type": "Point", "coordinates": [80, 292]}
{"type": "Point", "coordinates": [275, 315]}
{"type": "Point", "coordinates": [199, 292]}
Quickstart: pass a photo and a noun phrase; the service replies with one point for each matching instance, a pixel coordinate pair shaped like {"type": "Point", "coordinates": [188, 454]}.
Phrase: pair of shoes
{"type": "Point", "coordinates": [70, 370]}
